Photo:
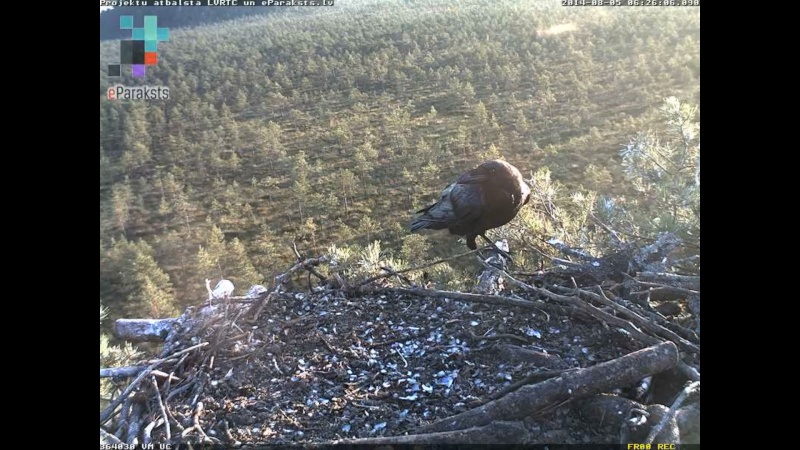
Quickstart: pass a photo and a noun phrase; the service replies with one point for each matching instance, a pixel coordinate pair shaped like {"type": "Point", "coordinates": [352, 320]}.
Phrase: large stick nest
{"type": "Point", "coordinates": [391, 363]}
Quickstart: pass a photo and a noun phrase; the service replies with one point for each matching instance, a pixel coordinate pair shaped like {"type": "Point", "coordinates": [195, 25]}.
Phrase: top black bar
{"type": "Point", "coordinates": [121, 3]}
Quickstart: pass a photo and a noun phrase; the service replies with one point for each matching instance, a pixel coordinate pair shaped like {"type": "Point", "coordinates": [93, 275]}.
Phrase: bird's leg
{"type": "Point", "coordinates": [495, 248]}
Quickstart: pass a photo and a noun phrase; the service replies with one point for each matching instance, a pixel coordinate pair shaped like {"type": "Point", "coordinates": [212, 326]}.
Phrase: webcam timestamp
{"type": "Point", "coordinates": [630, 2]}
{"type": "Point", "coordinates": [123, 446]}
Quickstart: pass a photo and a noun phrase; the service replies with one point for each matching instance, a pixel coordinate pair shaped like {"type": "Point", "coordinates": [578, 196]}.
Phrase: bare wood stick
{"type": "Point", "coordinates": [178, 353]}
{"type": "Point", "coordinates": [198, 410]}
{"type": "Point", "coordinates": [672, 410]}
{"type": "Point", "coordinates": [690, 372]}
{"type": "Point", "coordinates": [530, 379]}
{"type": "Point", "coordinates": [497, 432]}
{"type": "Point", "coordinates": [147, 437]}
{"type": "Point", "coordinates": [569, 251]}
{"type": "Point", "coordinates": [665, 287]}
{"type": "Point", "coordinates": [173, 420]}
{"type": "Point", "coordinates": [161, 407]}
{"type": "Point", "coordinates": [475, 298]}
{"type": "Point", "coordinates": [489, 281]}
{"type": "Point", "coordinates": [227, 431]}
{"type": "Point", "coordinates": [122, 426]}
{"type": "Point", "coordinates": [257, 307]}
{"type": "Point", "coordinates": [208, 288]}
{"type": "Point", "coordinates": [669, 433]}
{"type": "Point", "coordinates": [310, 269]}
{"type": "Point", "coordinates": [497, 337]}
{"type": "Point", "coordinates": [602, 316]}
{"type": "Point", "coordinates": [130, 371]}
{"type": "Point", "coordinates": [616, 412]}
{"type": "Point", "coordinates": [688, 419]}
{"type": "Point", "coordinates": [311, 262]}
{"type": "Point", "coordinates": [607, 409]}
{"type": "Point", "coordinates": [108, 438]}
{"type": "Point", "coordinates": [122, 372]}
{"type": "Point", "coordinates": [585, 307]}
{"type": "Point", "coordinates": [164, 375]}
{"type": "Point", "coordinates": [143, 330]}
{"type": "Point", "coordinates": [638, 320]}
{"type": "Point", "coordinates": [533, 399]}
{"type": "Point", "coordinates": [106, 413]}
{"type": "Point", "coordinates": [608, 229]}
{"type": "Point", "coordinates": [659, 319]}
{"type": "Point", "coordinates": [135, 423]}
{"type": "Point", "coordinates": [683, 281]}
{"type": "Point", "coordinates": [398, 275]}
{"type": "Point", "coordinates": [181, 389]}
{"type": "Point", "coordinates": [513, 354]}
{"type": "Point", "coordinates": [424, 266]}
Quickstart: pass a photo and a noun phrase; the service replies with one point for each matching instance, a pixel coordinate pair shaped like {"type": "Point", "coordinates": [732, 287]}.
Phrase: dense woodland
{"type": "Point", "coordinates": [330, 127]}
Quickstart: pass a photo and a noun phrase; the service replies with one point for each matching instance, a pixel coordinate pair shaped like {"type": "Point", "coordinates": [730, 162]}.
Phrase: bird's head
{"type": "Point", "coordinates": [484, 172]}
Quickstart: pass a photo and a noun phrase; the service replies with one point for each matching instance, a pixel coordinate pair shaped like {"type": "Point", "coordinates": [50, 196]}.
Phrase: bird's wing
{"type": "Point", "coordinates": [467, 205]}
{"type": "Point", "coordinates": [459, 207]}
{"type": "Point", "coordinates": [437, 215]}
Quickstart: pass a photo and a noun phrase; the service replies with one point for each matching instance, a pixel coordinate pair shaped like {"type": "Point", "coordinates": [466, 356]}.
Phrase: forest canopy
{"type": "Point", "coordinates": [331, 127]}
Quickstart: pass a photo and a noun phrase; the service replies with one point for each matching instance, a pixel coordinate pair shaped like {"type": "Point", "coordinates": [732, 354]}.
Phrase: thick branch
{"type": "Point", "coordinates": [475, 298]}
{"type": "Point", "coordinates": [497, 432]}
{"type": "Point", "coordinates": [106, 413]}
{"type": "Point", "coordinates": [424, 266]}
{"type": "Point", "coordinates": [672, 411]}
{"type": "Point", "coordinates": [143, 330]}
{"type": "Point", "coordinates": [131, 371]}
{"type": "Point", "coordinates": [638, 320]}
{"type": "Point", "coordinates": [543, 397]}
{"type": "Point", "coordinates": [108, 438]}
{"type": "Point", "coordinates": [682, 281]}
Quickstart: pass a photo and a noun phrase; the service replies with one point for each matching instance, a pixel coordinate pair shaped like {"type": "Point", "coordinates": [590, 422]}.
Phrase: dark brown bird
{"type": "Point", "coordinates": [486, 197]}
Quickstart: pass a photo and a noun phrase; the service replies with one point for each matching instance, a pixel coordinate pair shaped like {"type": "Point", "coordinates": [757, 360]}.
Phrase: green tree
{"type": "Point", "coordinates": [368, 226]}
{"type": "Point", "coordinates": [665, 169]}
{"type": "Point", "coordinates": [481, 114]}
{"type": "Point", "coordinates": [346, 184]}
{"type": "Point", "coordinates": [121, 198]}
{"type": "Point", "coordinates": [238, 267]}
{"type": "Point", "coordinates": [130, 274]}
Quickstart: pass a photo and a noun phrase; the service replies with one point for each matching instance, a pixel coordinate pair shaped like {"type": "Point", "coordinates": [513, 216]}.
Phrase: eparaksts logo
{"type": "Point", "coordinates": [120, 92]}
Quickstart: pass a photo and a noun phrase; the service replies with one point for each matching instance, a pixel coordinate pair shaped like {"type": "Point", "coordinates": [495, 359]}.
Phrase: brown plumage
{"type": "Point", "coordinates": [486, 197]}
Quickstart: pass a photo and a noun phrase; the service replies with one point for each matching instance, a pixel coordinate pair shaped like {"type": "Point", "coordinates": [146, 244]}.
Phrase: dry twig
{"type": "Point", "coordinates": [672, 410]}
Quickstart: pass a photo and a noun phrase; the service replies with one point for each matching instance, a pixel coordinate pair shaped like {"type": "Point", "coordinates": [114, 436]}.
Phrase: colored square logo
{"type": "Point", "coordinates": [150, 27]}
{"type": "Point", "coordinates": [125, 22]}
{"type": "Point", "coordinates": [142, 48]}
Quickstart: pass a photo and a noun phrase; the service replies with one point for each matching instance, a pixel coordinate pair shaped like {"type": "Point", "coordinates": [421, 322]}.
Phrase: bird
{"type": "Point", "coordinates": [486, 197]}
{"type": "Point", "coordinates": [255, 291]}
{"type": "Point", "coordinates": [222, 290]}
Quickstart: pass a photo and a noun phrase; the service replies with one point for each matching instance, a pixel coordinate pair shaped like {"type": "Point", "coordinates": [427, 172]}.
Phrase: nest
{"type": "Point", "coordinates": [538, 358]}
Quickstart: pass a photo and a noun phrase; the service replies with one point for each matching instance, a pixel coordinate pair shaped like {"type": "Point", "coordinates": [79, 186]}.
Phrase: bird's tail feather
{"type": "Point", "coordinates": [435, 217]}
{"type": "Point", "coordinates": [429, 222]}
{"type": "Point", "coordinates": [419, 223]}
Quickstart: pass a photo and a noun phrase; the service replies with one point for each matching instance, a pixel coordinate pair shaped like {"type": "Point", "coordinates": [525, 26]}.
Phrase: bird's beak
{"type": "Point", "coordinates": [472, 177]}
